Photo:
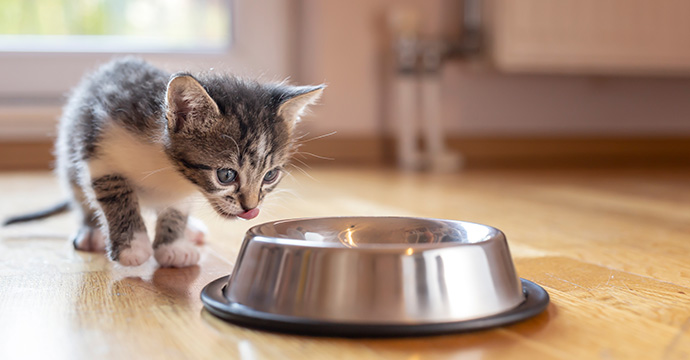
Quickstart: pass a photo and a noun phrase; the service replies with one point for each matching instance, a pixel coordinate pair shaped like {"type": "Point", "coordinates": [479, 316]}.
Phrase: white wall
{"type": "Point", "coordinates": [486, 103]}
{"type": "Point", "coordinates": [338, 47]}
{"type": "Point", "coordinates": [340, 44]}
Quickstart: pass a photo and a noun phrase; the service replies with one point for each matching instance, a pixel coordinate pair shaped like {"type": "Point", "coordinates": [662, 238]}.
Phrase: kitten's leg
{"type": "Point", "coordinates": [172, 247]}
{"type": "Point", "coordinates": [128, 242]}
{"type": "Point", "coordinates": [89, 237]}
{"type": "Point", "coordinates": [196, 231]}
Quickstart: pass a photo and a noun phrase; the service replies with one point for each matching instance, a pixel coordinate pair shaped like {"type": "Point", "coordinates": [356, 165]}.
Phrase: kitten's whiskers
{"type": "Point", "coordinates": [302, 170]}
{"type": "Point", "coordinates": [237, 146]}
{"type": "Point", "coordinates": [314, 155]}
{"type": "Point", "coordinates": [278, 193]}
{"type": "Point", "coordinates": [302, 162]}
{"type": "Point", "coordinates": [155, 172]}
{"type": "Point", "coordinates": [299, 139]}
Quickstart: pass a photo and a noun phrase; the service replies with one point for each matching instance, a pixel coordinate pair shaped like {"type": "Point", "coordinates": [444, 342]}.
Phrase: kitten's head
{"type": "Point", "coordinates": [232, 138]}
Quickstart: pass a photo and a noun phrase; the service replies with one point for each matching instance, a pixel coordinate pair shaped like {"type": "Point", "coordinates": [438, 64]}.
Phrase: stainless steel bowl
{"type": "Point", "coordinates": [385, 273]}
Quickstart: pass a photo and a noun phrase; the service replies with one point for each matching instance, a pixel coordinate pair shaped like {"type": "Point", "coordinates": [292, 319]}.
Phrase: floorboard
{"type": "Point", "coordinates": [612, 247]}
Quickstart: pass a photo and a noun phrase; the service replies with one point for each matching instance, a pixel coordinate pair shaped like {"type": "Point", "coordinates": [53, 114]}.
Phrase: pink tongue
{"type": "Point", "coordinates": [249, 214]}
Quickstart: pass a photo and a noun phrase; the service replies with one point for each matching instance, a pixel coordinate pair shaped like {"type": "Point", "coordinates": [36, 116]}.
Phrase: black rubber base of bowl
{"type": "Point", "coordinates": [215, 302]}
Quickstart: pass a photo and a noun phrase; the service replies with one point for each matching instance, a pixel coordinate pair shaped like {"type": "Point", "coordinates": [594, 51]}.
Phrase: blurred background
{"type": "Point", "coordinates": [418, 84]}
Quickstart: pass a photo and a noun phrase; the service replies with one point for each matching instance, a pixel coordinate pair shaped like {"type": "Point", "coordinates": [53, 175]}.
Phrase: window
{"type": "Point", "coordinates": [114, 25]}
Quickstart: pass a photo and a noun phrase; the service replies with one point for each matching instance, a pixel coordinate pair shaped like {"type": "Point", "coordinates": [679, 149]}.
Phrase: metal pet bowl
{"type": "Point", "coordinates": [373, 276]}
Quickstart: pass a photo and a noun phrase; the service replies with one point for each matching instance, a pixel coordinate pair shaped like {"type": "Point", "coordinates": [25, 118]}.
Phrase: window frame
{"type": "Point", "coordinates": [33, 85]}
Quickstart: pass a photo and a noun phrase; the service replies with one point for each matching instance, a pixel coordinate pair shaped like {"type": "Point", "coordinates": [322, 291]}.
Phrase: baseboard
{"type": "Point", "coordinates": [663, 151]}
{"type": "Point", "coordinates": [347, 151]}
{"type": "Point", "coordinates": [478, 152]}
{"type": "Point", "coordinates": [545, 151]}
{"type": "Point", "coordinates": [26, 155]}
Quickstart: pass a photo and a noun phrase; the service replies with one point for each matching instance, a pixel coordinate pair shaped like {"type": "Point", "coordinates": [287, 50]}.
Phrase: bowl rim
{"type": "Point", "coordinates": [254, 235]}
{"type": "Point", "coordinates": [535, 301]}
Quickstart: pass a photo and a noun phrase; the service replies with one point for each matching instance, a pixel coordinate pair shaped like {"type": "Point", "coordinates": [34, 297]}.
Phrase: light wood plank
{"type": "Point", "coordinates": [611, 247]}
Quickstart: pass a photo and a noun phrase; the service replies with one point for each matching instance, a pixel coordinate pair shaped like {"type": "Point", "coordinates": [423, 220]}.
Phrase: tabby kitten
{"type": "Point", "coordinates": [133, 135]}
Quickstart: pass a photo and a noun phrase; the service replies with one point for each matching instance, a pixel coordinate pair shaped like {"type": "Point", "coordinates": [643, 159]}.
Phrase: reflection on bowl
{"type": "Point", "coordinates": [365, 232]}
{"type": "Point", "coordinates": [375, 270]}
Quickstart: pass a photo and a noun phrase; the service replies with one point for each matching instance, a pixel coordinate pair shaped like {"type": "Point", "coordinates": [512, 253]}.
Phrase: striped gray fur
{"type": "Point", "coordinates": [132, 134]}
{"type": "Point", "coordinates": [170, 226]}
{"type": "Point", "coordinates": [119, 208]}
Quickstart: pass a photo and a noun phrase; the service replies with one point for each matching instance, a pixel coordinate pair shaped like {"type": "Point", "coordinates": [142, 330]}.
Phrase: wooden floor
{"type": "Point", "coordinates": [611, 247]}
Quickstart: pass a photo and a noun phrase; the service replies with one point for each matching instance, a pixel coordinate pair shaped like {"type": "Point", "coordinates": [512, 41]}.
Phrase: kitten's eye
{"type": "Point", "coordinates": [226, 176]}
{"type": "Point", "coordinates": [271, 176]}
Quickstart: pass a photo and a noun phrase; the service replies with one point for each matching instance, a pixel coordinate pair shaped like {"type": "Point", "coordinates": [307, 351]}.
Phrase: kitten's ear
{"type": "Point", "coordinates": [188, 103]}
{"type": "Point", "coordinates": [294, 101]}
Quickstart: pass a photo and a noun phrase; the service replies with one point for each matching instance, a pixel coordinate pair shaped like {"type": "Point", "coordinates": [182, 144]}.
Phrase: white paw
{"type": "Point", "coordinates": [179, 253]}
{"type": "Point", "coordinates": [138, 252]}
{"type": "Point", "coordinates": [89, 239]}
{"type": "Point", "coordinates": [196, 231]}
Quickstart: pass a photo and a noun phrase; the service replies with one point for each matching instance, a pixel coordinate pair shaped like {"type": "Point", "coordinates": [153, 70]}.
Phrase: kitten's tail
{"type": "Point", "coordinates": [53, 210]}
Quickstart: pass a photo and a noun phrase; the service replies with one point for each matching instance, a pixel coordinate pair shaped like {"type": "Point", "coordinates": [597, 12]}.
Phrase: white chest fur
{"type": "Point", "coordinates": [144, 164]}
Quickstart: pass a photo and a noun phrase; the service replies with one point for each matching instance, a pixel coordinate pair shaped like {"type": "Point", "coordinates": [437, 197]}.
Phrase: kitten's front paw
{"type": "Point", "coordinates": [196, 231]}
{"type": "Point", "coordinates": [179, 253]}
{"type": "Point", "coordinates": [138, 252]}
{"type": "Point", "coordinates": [89, 239]}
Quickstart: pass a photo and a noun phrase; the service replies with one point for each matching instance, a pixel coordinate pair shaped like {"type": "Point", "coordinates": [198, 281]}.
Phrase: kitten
{"type": "Point", "coordinates": [132, 135]}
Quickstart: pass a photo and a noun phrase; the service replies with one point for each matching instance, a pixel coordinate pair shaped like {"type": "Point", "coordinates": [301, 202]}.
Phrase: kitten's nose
{"type": "Point", "coordinates": [249, 203]}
